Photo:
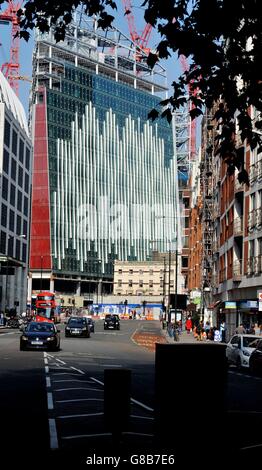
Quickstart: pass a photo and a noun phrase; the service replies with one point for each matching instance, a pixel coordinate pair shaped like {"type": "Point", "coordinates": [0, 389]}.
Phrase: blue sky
{"type": "Point", "coordinates": [171, 65]}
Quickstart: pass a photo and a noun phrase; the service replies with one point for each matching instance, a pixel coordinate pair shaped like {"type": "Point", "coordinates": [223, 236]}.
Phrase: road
{"type": "Point", "coordinates": [54, 401]}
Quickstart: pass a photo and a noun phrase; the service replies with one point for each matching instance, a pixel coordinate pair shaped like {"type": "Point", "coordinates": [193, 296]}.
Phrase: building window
{"type": "Point", "coordinates": [27, 158]}
{"type": "Point", "coordinates": [13, 169]}
{"type": "Point", "coordinates": [4, 188]}
{"type": "Point", "coordinates": [26, 183]}
{"type": "Point", "coordinates": [18, 225]}
{"type": "Point", "coordinates": [186, 202]}
{"type": "Point", "coordinates": [11, 220]}
{"type": "Point", "coordinates": [184, 262]}
{"type": "Point", "coordinates": [7, 133]}
{"type": "Point", "coordinates": [151, 284]}
{"type": "Point", "coordinates": [141, 283]}
{"type": "Point", "coordinates": [19, 200]}
{"type": "Point", "coordinates": [120, 271]}
{"type": "Point", "coordinates": [141, 272]}
{"type": "Point", "coordinates": [130, 283]}
{"type": "Point", "coordinates": [17, 249]}
{"type": "Point", "coordinates": [131, 271]}
{"type": "Point", "coordinates": [14, 142]}
{"type": "Point", "coordinates": [10, 244]}
{"type": "Point", "coordinates": [21, 151]}
{"type": "Point", "coordinates": [186, 222]}
{"type": "Point", "coordinates": [12, 195]}
{"type": "Point", "coordinates": [4, 216]}
{"type": "Point", "coordinates": [25, 228]}
{"type": "Point", "coordinates": [20, 176]}
{"type": "Point", "coordinates": [25, 205]}
{"type": "Point", "coordinates": [3, 242]}
{"type": "Point", "coordinates": [119, 284]}
{"type": "Point", "coordinates": [6, 161]}
{"type": "Point", "coordinates": [24, 253]}
{"type": "Point", "coordinates": [151, 272]}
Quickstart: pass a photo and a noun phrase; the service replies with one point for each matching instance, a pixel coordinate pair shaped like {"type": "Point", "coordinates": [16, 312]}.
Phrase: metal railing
{"type": "Point", "coordinates": [222, 274]}
{"type": "Point", "coordinates": [251, 266]}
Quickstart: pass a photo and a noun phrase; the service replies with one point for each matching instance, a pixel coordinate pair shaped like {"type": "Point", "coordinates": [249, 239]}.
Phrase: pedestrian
{"type": "Point", "coordinates": [223, 331]}
{"type": "Point", "coordinates": [240, 329]}
{"type": "Point", "coordinates": [188, 324]}
{"type": "Point", "coordinates": [207, 329]}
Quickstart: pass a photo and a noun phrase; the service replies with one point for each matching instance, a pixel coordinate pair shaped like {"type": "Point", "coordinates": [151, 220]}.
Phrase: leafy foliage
{"type": "Point", "coordinates": [222, 40]}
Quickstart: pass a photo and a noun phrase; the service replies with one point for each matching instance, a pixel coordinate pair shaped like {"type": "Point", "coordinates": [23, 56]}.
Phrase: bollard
{"type": "Point", "coordinates": [190, 384]}
{"type": "Point", "coordinates": [117, 402]}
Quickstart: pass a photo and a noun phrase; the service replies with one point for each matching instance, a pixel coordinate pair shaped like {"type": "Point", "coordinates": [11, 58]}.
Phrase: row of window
{"type": "Point", "coordinates": [21, 224]}
{"type": "Point", "coordinates": [141, 271]}
{"type": "Point", "coordinates": [11, 167]}
{"type": "Point", "coordinates": [13, 247]}
{"type": "Point", "coordinates": [10, 192]}
{"type": "Point", "coordinates": [141, 283]}
{"type": "Point", "coordinates": [23, 152]}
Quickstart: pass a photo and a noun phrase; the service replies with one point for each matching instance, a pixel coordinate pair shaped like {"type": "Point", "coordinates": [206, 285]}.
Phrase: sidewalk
{"type": "Point", "coordinates": [184, 337]}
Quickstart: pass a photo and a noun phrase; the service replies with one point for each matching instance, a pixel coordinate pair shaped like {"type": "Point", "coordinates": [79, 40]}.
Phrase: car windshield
{"type": "Point", "coordinates": [250, 342]}
{"type": "Point", "coordinates": [111, 317]}
{"type": "Point", "coordinates": [76, 322]}
{"type": "Point", "coordinates": [40, 327]}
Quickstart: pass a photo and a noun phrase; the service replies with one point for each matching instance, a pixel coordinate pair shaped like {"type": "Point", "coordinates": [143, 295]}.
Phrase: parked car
{"type": "Point", "coordinates": [40, 335]}
{"type": "Point", "coordinates": [240, 348]}
{"type": "Point", "coordinates": [77, 326]}
{"type": "Point", "coordinates": [111, 322]}
{"type": "Point", "coordinates": [255, 360]}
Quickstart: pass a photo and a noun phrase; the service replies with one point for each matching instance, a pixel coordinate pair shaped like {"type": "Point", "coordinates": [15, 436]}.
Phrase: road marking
{"type": "Point", "coordinates": [77, 388]}
{"type": "Point", "coordinates": [244, 375]}
{"type": "Point", "coordinates": [132, 399]}
{"type": "Point", "coordinates": [137, 433]}
{"type": "Point", "coordinates": [73, 380]}
{"type": "Point", "coordinates": [141, 404]}
{"type": "Point", "coordinates": [46, 369]}
{"type": "Point", "coordinates": [81, 436]}
{"type": "Point", "coordinates": [53, 434]}
{"type": "Point", "coordinates": [46, 361]}
{"type": "Point", "coordinates": [79, 399]}
{"type": "Point", "coordinates": [245, 412]}
{"type": "Point", "coordinates": [78, 370]}
{"type": "Point", "coordinates": [80, 416]}
{"type": "Point", "coordinates": [251, 447]}
{"type": "Point", "coordinates": [48, 382]}
{"type": "Point", "coordinates": [50, 403]}
{"type": "Point", "coordinates": [141, 417]}
{"type": "Point", "coordinates": [65, 373]}
{"type": "Point", "coordinates": [111, 365]}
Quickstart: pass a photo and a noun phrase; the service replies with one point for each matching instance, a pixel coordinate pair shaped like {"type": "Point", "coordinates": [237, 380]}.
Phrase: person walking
{"type": "Point", "coordinates": [240, 329]}
{"type": "Point", "coordinates": [188, 325]}
{"type": "Point", "coordinates": [223, 331]}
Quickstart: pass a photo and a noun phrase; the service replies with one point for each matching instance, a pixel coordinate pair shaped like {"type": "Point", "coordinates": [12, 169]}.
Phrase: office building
{"type": "Point", "coordinates": [15, 168]}
{"type": "Point", "coordinates": [104, 177]}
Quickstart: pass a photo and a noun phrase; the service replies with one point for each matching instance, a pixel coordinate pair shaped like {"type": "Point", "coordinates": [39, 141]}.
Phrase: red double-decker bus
{"type": "Point", "coordinates": [46, 307]}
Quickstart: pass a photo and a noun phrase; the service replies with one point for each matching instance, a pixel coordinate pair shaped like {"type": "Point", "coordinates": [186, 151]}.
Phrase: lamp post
{"type": "Point", "coordinates": [9, 237]}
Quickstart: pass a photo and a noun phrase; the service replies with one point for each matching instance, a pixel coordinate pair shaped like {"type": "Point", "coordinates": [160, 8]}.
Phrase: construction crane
{"type": "Point", "coordinates": [11, 69]}
{"type": "Point", "coordinates": [141, 40]}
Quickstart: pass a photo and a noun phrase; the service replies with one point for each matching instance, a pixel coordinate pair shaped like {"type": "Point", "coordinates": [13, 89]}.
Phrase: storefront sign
{"type": "Point", "coordinates": [246, 304]}
{"type": "Point", "coordinates": [230, 305]}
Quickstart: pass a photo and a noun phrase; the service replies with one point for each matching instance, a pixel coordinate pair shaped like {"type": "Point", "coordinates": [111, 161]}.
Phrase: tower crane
{"type": "Point", "coordinates": [11, 69]}
{"type": "Point", "coordinates": [141, 40]}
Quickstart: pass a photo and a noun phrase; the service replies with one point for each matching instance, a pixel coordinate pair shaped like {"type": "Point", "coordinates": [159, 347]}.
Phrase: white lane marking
{"type": "Point", "coordinates": [79, 399]}
{"type": "Point", "coordinates": [141, 404]}
{"type": "Point", "coordinates": [46, 369]}
{"type": "Point", "coordinates": [81, 436]}
{"type": "Point", "coordinates": [251, 447]}
{"type": "Point", "coordinates": [244, 375]}
{"type": "Point", "coordinates": [111, 365]}
{"type": "Point", "coordinates": [4, 334]}
{"type": "Point", "coordinates": [245, 412]}
{"type": "Point", "coordinates": [78, 370]}
{"type": "Point", "coordinates": [80, 416]}
{"type": "Point", "coordinates": [50, 403]}
{"type": "Point", "coordinates": [66, 373]}
{"type": "Point", "coordinates": [137, 434]}
{"type": "Point", "coordinates": [53, 434]}
{"type": "Point", "coordinates": [46, 361]}
{"type": "Point", "coordinates": [141, 417]}
{"type": "Point", "coordinates": [77, 388]}
{"type": "Point", "coordinates": [48, 382]}
{"type": "Point", "coordinates": [132, 399]}
{"type": "Point", "coordinates": [73, 380]}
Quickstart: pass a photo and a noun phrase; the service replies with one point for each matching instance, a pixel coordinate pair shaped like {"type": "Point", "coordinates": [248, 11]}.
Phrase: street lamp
{"type": "Point", "coordinates": [9, 237]}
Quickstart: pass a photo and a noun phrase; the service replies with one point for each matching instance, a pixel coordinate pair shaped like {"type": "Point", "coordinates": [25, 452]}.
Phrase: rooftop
{"type": "Point", "coordinates": [12, 102]}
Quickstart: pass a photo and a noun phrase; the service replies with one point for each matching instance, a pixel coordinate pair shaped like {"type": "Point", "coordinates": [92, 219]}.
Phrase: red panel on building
{"type": "Point", "coordinates": [40, 249]}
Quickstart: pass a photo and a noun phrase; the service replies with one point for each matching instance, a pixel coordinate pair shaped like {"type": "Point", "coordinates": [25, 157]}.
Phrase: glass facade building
{"type": "Point", "coordinates": [104, 178]}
